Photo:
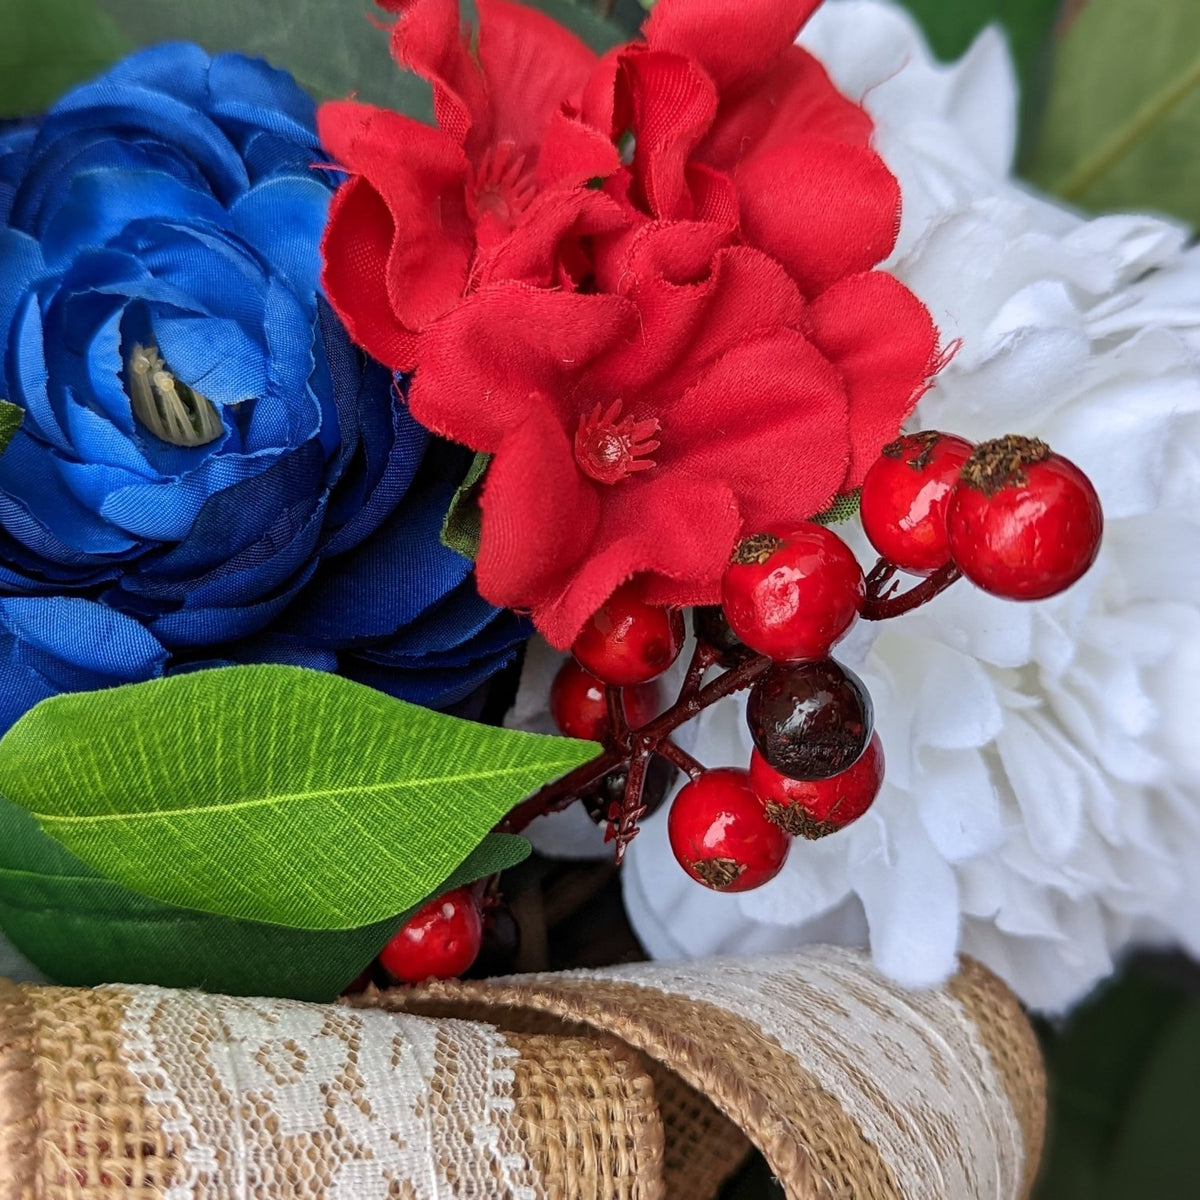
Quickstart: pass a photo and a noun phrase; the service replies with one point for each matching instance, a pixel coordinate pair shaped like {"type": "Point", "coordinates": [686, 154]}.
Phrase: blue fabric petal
{"type": "Point", "coordinates": [283, 219]}
{"type": "Point", "coordinates": [52, 645]}
{"type": "Point", "coordinates": [383, 585]}
{"type": "Point", "coordinates": [99, 205]}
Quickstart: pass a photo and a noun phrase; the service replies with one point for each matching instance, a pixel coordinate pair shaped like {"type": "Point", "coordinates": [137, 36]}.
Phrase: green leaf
{"type": "Point", "coordinates": [951, 28]}
{"type": "Point", "coordinates": [586, 23]}
{"type": "Point", "coordinates": [1094, 1063]}
{"type": "Point", "coordinates": [11, 416]}
{"type": "Point", "coordinates": [1156, 1153]}
{"type": "Point", "coordinates": [842, 509]}
{"type": "Point", "coordinates": [1123, 120]}
{"type": "Point", "coordinates": [47, 46]}
{"type": "Point", "coordinates": [461, 528]}
{"type": "Point", "coordinates": [82, 929]}
{"type": "Point", "coordinates": [270, 793]}
{"type": "Point", "coordinates": [332, 47]}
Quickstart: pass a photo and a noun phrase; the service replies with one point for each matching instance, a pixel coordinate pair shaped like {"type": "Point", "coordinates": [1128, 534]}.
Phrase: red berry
{"type": "Point", "coordinates": [820, 807]}
{"type": "Point", "coordinates": [580, 710]}
{"type": "Point", "coordinates": [905, 496]}
{"type": "Point", "coordinates": [720, 833]}
{"type": "Point", "coordinates": [628, 641]}
{"type": "Point", "coordinates": [439, 941]}
{"type": "Point", "coordinates": [1024, 522]}
{"type": "Point", "coordinates": [792, 591]}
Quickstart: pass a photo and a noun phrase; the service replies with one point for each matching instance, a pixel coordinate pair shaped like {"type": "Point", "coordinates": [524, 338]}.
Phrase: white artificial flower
{"type": "Point", "coordinates": [1042, 804]}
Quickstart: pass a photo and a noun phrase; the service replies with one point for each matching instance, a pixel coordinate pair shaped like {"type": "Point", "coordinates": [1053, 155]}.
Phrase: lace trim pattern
{"type": "Point", "coordinates": [276, 1098]}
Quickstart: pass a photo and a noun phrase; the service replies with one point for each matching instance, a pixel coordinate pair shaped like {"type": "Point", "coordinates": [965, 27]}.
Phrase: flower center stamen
{"type": "Point", "coordinates": [499, 186]}
{"type": "Point", "coordinates": [610, 447]}
{"type": "Point", "coordinates": [165, 405]}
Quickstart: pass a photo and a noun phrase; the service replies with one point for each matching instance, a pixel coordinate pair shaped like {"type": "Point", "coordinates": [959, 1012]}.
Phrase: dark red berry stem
{"type": "Point", "coordinates": [882, 606]}
{"type": "Point", "coordinates": [883, 573]}
{"type": "Point", "coordinates": [618, 723]}
{"type": "Point", "coordinates": [633, 749]}
{"type": "Point", "coordinates": [625, 828]}
{"type": "Point", "coordinates": [681, 758]}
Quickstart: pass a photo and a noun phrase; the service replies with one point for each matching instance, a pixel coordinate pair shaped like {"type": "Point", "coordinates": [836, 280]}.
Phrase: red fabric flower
{"type": "Point", "coordinates": [639, 432]}
{"type": "Point", "coordinates": [493, 191]}
{"type": "Point", "coordinates": [642, 282]}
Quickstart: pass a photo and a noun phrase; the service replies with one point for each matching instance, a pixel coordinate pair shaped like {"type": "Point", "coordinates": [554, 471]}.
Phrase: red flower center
{"type": "Point", "coordinates": [500, 187]}
{"type": "Point", "coordinates": [610, 447]}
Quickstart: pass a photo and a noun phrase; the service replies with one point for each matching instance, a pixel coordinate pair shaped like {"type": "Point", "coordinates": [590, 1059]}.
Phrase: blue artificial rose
{"type": "Point", "coordinates": [202, 448]}
{"type": "Point", "coordinates": [53, 644]}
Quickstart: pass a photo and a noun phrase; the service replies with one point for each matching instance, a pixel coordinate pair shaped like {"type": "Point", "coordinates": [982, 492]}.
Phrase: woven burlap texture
{"type": "Point", "coordinates": [636, 1082]}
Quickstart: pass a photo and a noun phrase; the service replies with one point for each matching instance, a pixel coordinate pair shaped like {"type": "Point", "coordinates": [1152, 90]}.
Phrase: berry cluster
{"type": "Point", "coordinates": [1010, 515]}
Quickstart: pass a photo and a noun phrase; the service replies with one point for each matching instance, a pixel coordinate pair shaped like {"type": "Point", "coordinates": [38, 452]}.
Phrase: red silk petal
{"type": "Point", "coordinates": [678, 529]}
{"type": "Point", "coordinates": [730, 44]}
{"type": "Point", "coordinates": [354, 249]}
{"type": "Point", "coordinates": [685, 326]}
{"type": "Point", "coordinates": [794, 98]}
{"type": "Point", "coordinates": [823, 209]}
{"type": "Point", "coordinates": [673, 104]}
{"type": "Point", "coordinates": [547, 247]}
{"type": "Point", "coordinates": [883, 341]}
{"type": "Point", "coordinates": [481, 362]}
{"type": "Point", "coordinates": [429, 40]}
{"type": "Point", "coordinates": [539, 513]}
{"type": "Point", "coordinates": [574, 152]}
{"type": "Point", "coordinates": [769, 421]}
{"type": "Point", "coordinates": [531, 65]}
{"type": "Point", "coordinates": [418, 173]}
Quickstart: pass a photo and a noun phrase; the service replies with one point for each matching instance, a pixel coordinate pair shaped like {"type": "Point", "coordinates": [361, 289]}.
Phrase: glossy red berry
{"type": "Point", "coordinates": [792, 592]}
{"type": "Point", "coordinates": [810, 720]}
{"type": "Point", "coordinates": [627, 641]}
{"type": "Point", "coordinates": [905, 496]}
{"type": "Point", "coordinates": [580, 710]}
{"type": "Point", "coordinates": [720, 834]}
{"type": "Point", "coordinates": [439, 941]}
{"type": "Point", "coordinates": [1024, 522]}
{"type": "Point", "coordinates": [816, 808]}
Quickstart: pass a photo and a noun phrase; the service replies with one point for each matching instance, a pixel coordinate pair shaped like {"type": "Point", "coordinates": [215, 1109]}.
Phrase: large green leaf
{"type": "Point", "coordinates": [332, 47]}
{"type": "Point", "coordinates": [270, 793]}
{"type": "Point", "coordinates": [46, 46]}
{"type": "Point", "coordinates": [10, 422]}
{"type": "Point", "coordinates": [1123, 121]}
{"type": "Point", "coordinates": [82, 929]}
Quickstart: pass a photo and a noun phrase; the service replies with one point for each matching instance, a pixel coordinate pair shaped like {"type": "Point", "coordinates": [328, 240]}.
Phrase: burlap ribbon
{"type": "Point", "coordinates": [641, 1082]}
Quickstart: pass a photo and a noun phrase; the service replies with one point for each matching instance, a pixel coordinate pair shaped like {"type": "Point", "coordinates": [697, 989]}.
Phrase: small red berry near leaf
{"type": "Point", "coordinates": [816, 808]}
{"type": "Point", "coordinates": [627, 641]}
{"type": "Point", "coordinates": [580, 710]}
{"type": "Point", "coordinates": [1024, 523]}
{"type": "Point", "coordinates": [720, 834]}
{"type": "Point", "coordinates": [792, 592]}
{"type": "Point", "coordinates": [439, 941]}
{"type": "Point", "coordinates": [905, 496]}
{"type": "Point", "coordinates": [810, 720]}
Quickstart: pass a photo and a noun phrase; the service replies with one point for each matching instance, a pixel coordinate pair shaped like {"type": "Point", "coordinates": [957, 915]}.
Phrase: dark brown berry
{"type": "Point", "coordinates": [810, 720]}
